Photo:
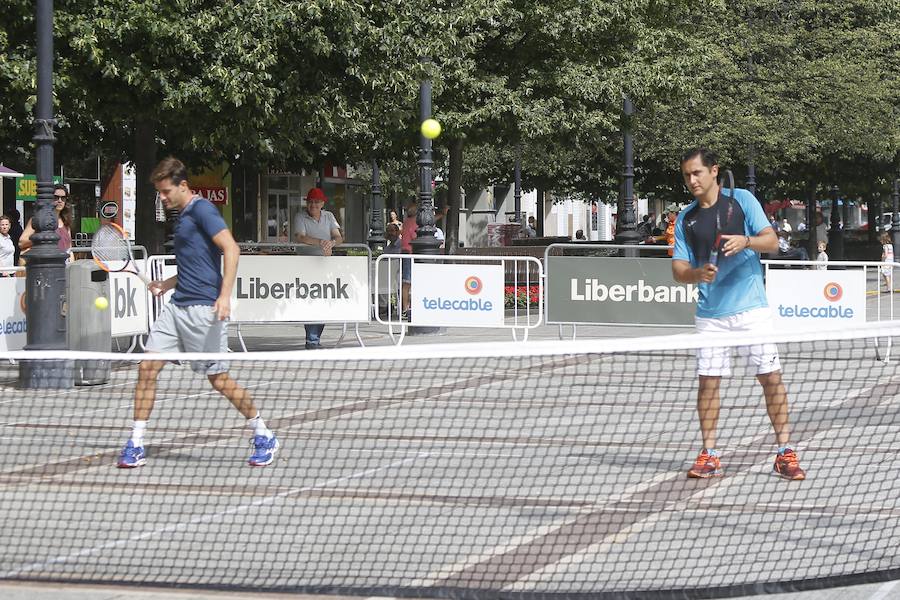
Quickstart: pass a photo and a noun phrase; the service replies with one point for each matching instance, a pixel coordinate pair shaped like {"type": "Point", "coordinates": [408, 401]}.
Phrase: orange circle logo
{"type": "Point", "coordinates": [473, 285]}
{"type": "Point", "coordinates": [833, 292]}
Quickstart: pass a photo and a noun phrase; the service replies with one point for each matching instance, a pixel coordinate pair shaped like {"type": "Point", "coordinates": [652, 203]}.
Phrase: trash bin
{"type": "Point", "coordinates": [88, 327]}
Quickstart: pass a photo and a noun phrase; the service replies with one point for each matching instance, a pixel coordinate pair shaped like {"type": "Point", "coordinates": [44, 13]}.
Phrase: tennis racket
{"type": "Point", "coordinates": [714, 252]}
{"type": "Point", "coordinates": [113, 253]}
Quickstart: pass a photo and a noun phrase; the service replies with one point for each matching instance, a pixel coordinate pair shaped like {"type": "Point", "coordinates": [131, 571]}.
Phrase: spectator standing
{"type": "Point", "coordinates": [785, 226]}
{"type": "Point", "coordinates": [393, 218]}
{"type": "Point", "coordinates": [7, 247]}
{"type": "Point", "coordinates": [822, 256]}
{"type": "Point", "coordinates": [317, 228]}
{"type": "Point", "coordinates": [15, 231]}
{"type": "Point", "coordinates": [407, 235]}
{"type": "Point", "coordinates": [528, 230]}
{"type": "Point", "coordinates": [821, 230]}
{"type": "Point", "coordinates": [392, 235]}
{"type": "Point", "coordinates": [887, 256]}
{"type": "Point", "coordinates": [63, 222]}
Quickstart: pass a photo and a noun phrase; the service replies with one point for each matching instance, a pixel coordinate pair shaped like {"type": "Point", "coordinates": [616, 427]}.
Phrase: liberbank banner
{"type": "Point", "coordinates": [314, 289]}
{"type": "Point", "coordinates": [809, 300]}
{"type": "Point", "coordinates": [582, 289]}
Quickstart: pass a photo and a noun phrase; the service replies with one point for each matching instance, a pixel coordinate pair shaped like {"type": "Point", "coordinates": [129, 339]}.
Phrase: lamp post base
{"type": "Point", "coordinates": [46, 374]}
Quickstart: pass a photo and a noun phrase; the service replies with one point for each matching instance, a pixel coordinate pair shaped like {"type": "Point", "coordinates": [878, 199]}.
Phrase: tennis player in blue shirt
{"type": "Point", "coordinates": [195, 319]}
{"type": "Point", "coordinates": [717, 241]}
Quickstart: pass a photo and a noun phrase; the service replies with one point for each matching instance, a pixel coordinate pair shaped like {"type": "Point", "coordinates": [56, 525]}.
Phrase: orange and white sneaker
{"type": "Point", "coordinates": [787, 465]}
{"type": "Point", "coordinates": [707, 465]}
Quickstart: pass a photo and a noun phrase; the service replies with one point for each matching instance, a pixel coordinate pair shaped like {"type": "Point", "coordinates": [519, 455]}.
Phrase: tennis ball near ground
{"type": "Point", "coordinates": [101, 303]}
{"type": "Point", "coordinates": [431, 128]}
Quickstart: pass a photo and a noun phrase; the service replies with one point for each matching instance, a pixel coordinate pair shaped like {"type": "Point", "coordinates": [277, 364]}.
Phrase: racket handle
{"type": "Point", "coordinates": [147, 281]}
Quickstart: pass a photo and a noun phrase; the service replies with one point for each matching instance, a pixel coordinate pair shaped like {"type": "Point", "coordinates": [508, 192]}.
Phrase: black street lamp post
{"type": "Point", "coordinates": [425, 242]}
{"type": "Point", "coordinates": [835, 232]}
{"type": "Point", "coordinates": [45, 284]}
{"type": "Point", "coordinates": [627, 229]}
{"type": "Point", "coordinates": [517, 190]}
{"type": "Point", "coordinates": [895, 219]}
{"type": "Point", "coordinates": [751, 174]}
{"type": "Point", "coordinates": [376, 215]}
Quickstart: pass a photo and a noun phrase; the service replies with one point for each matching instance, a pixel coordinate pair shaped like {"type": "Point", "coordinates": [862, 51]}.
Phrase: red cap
{"type": "Point", "coordinates": [316, 194]}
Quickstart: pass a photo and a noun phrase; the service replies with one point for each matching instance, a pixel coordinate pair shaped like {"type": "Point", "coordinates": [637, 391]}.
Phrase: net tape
{"type": "Point", "coordinates": [536, 470]}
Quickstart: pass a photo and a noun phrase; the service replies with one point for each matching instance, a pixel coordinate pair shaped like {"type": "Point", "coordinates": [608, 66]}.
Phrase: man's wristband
{"type": "Point", "coordinates": [748, 242]}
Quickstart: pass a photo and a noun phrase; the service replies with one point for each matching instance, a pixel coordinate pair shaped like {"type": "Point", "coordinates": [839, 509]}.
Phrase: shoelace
{"type": "Point", "coordinates": [791, 459]}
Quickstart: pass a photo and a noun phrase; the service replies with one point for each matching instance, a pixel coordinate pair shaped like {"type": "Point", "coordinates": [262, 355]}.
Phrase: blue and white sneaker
{"type": "Point", "coordinates": [264, 450]}
{"type": "Point", "coordinates": [131, 457]}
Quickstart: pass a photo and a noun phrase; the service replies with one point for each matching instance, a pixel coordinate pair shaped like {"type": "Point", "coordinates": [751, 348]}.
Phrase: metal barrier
{"type": "Point", "coordinates": [164, 266]}
{"type": "Point", "coordinates": [504, 274]}
{"type": "Point", "coordinates": [555, 252]}
{"type": "Point", "coordinates": [835, 272]}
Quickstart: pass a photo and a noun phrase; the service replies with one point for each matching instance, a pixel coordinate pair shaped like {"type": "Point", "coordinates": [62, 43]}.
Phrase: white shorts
{"type": "Point", "coordinates": [190, 329]}
{"type": "Point", "coordinates": [716, 362]}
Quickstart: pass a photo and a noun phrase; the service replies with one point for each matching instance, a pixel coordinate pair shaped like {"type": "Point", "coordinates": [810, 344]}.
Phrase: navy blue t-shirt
{"type": "Point", "coordinates": [199, 259]}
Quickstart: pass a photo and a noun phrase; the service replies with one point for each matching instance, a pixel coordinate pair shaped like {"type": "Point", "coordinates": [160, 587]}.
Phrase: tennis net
{"type": "Point", "coordinates": [466, 471]}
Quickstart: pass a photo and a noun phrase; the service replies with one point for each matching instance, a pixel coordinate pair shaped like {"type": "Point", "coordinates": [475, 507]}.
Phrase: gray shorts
{"type": "Point", "coordinates": [190, 329]}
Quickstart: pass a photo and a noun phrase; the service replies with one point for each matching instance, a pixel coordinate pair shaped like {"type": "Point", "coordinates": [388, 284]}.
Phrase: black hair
{"type": "Point", "coordinates": [709, 158]}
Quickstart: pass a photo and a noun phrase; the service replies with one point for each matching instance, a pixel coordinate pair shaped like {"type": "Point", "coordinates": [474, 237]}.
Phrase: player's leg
{"type": "Point", "coordinates": [768, 373]}
{"type": "Point", "coordinates": [776, 405]}
{"type": "Point", "coordinates": [163, 338]}
{"type": "Point", "coordinates": [713, 363]}
{"type": "Point", "coordinates": [708, 404]}
{"type": "Point", "coordinates": [202, 331]}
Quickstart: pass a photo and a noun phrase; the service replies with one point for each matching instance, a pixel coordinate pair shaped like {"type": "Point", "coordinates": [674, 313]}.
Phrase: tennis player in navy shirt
{"type": "Point", "coordinates": [195, 319]}
{"type": "Point", "coordinates": [717, 241]}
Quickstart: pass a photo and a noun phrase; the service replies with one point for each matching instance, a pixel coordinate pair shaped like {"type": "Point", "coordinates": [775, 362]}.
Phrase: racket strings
{"type": "Point", "coordinates": [109, 246]}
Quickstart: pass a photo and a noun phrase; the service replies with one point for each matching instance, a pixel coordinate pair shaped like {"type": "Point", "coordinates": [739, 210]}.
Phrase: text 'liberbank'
{"type": "Point", "coordinates": [255, 288]}
{"type": "Point", "coordinates": [593, 290]}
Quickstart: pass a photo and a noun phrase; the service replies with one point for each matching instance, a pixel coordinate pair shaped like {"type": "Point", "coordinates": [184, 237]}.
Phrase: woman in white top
{"type": "Point", "coordinates": [7, 248]}
{"type": "Point", "coordinates": [887, 256]}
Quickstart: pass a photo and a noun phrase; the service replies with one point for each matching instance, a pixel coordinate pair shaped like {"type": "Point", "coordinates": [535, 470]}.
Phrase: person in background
{"type": "Point", "coordinates": [394, 219]}
{"type": "Point", "coordinates": [532, 223]}
{"type": "Point", "coordinates": [15, 231]}
{"type": "Point", "coordinates": [821, 229]}
{"type": "Point", "coordinates": [407, 234]}
{"type": "Point", "coordinates": [528, 230]}
{"type": "Point", "coordinates": [887, 256]}
{"type": "Point", "coordinates": [668, 236]}
{"type": "Point", "coordinates": [392, 237]}
{"type": "Point", "coordinates": [318, 228]}
{"type": "Point", "coordinates": [7, 247]}
{"type": "Point", "coordinates": [579, 235]}
{"type": "Point", "coordinates": [785, 226]}
{"type": "Point", "coordinates": [821, 256]}
{"type": "Point", "coordinates": [63, 222]}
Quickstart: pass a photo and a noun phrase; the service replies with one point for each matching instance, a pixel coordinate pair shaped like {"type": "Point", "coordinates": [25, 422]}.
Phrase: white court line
{"type": "Point", "coordinates": [446, 572]}
{"type": "Point", "coordinates": [202, 519]}
{"type": "Point", "coordinates": [884, 590]}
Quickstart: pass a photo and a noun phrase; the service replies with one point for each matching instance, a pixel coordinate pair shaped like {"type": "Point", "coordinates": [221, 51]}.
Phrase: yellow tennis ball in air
{"type": "Point", "coordinates": [101, 303]}
{"type": "Point", "coordinates": [431, 128]}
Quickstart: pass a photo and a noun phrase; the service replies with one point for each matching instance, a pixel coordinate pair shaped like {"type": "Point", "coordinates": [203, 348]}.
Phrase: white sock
{"type": "Point", "coordinates": [259, 427]}
{"type": "Point", "coordinates": [137, 433]}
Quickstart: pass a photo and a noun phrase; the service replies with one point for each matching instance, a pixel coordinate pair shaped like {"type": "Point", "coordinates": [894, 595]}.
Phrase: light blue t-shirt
{"type": "Point", "coordinates": [738, 286]}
